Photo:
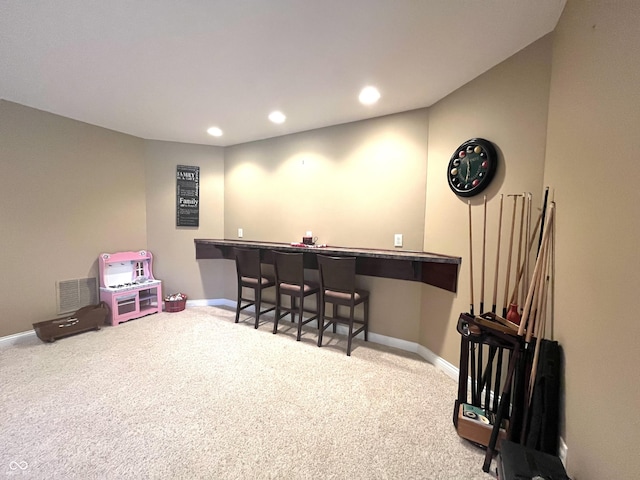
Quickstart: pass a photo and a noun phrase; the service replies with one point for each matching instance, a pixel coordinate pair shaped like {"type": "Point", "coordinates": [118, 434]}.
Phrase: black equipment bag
{"type": "Point", "coordinates": [542, 431]}
{"type": "Point", "coordinates": [517, 462]}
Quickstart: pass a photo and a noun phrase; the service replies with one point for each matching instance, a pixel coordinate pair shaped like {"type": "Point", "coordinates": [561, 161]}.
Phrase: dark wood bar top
{"type": "Point", "coordinates": [430, 268]}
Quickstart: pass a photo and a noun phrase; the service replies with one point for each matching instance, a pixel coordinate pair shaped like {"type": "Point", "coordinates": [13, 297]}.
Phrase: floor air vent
{"type": "Point", "coordinates": [75, 294]}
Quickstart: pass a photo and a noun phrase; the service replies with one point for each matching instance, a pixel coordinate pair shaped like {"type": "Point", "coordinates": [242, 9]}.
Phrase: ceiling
{"type": "Point", "coordinates": [168, 69]}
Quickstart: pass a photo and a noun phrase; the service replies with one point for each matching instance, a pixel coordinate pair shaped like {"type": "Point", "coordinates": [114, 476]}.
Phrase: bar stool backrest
{"type": "Point", "coordinates": [289, 268]}
{"type": "Point", "coordinates": [337, 273]}
{"type": "Point", "coordinates": [247, 262]}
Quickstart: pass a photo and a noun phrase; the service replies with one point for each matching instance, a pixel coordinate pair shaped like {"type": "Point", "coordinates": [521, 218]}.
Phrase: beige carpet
{"type": "Point", "coordinates": [192, 395]}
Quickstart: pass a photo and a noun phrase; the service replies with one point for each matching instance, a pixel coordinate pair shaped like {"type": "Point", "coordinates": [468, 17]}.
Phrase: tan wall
{"type": "Point", "coordinates": [173, 247]}
{"type": "Point", "coordinates": [594, 128]}
{"type": "Point", "coordinates": [69, 192]}
{"type": "Point", "coordinates": [352, 185]}
{"type": "Point", "coordinates": [355, 184]}
{"type": "Point", "coordinates": [508, 106]}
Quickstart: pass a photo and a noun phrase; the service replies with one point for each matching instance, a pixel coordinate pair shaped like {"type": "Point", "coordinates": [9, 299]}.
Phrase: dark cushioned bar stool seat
{"type": "Point", "coordinates": [250, 277]}
{"type": "Point", "coordinates": [289, 269]}
{"type": "Point", "coordinates": [337, 286]}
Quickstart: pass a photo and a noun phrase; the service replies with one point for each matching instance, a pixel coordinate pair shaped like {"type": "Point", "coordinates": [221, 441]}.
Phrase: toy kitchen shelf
{"type": "Point", "coordinates": [127, 285]}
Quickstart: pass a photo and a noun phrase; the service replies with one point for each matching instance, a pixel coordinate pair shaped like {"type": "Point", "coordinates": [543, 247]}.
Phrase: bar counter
{"type": "Point", "coordinates": [430, 268]}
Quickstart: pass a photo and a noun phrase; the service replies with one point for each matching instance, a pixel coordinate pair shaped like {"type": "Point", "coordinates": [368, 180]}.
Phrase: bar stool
{"type": "Point", "coordinates": [337, 286]}
{"type": "Point", "coordinates": [250, 277]}
{"type": "Point", "coordinates": [289, 269]}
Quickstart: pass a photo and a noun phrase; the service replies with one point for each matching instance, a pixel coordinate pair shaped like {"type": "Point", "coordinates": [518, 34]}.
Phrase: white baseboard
{"type": "Point", "coordinates": [388, 341]}
{"type": "Point", "coordinates": [440, 363]}
{"type": "Point", "coordinates": [16, 338]}
{"type": "Point", "coordinates": [216, 302]}
{"type": "Point", "coordinates": [413, 347]}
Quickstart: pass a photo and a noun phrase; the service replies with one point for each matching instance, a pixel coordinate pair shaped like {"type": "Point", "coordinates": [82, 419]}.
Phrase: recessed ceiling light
{"type": "Point", "coordinates": [277, 117]}
{"type": "Point", "coordinates": [369, 95]}
{"type": "Point", "coordinates": [214, 132]}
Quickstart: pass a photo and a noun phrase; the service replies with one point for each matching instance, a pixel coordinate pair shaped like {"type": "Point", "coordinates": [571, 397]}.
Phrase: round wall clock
{"type": "Point", "coordinates": [472, 167]}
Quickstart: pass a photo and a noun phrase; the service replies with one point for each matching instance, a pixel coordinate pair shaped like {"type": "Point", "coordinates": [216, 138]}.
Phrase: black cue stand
{"type": "Point", "coordinates": [488, 419]}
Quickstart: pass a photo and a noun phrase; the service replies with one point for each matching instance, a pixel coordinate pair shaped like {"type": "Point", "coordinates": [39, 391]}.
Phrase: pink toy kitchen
{"type": "Point", "coordinates": [127, 285]}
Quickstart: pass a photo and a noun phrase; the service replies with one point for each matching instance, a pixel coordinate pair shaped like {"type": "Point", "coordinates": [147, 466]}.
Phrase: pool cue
{"type": "Point", "coordinates": [534, 290]}
{"type": "Point", "coordinates": [484, 378]}
{"type": "Point", "coordinates": [539, 338]}
{"type": "Point", "coordinates": [470, 258]}
{"type": "Point", "coordinates": [553, 276]}
{"type": "Point", "coordinates": [526, 313]}
{"type": "Point", "coordinates": [492, 349]}
{"type": "Point", "coordinates": [532, 320]}
{"type": "Point", "coordinates": [484, 244]}
{"type": "Point", "coordinates": [472, 345]}
{"type": "Point", "coordinates": [480, 347]}
{"type": "Point", "coordinates": [495, 279]}
{"type": "Point", "coordinates": [545, 252]}
{"type": "Point", "coordinates": [506, 287]}
{"type": "Point", "coordinates": [522, 268]}
{"type": "Point", "coordinates": [520, 233]}
{"type": "Point", "coordinates": [521, 271]}
{"type": "Point", "coordinates": [531, 381]}
{"type": "Point", "coordinates": [527, 254]}
{"type": "Point", "coordinates": [542, 292]}
{"type": "Point", "coordinates": [536, 272]}
{"type": "Point", "coordinates": [541, 241]}
{"type": "Point", "coordinates": [512, 313]}
{"type": "Point", "coordinates": [544, 211]}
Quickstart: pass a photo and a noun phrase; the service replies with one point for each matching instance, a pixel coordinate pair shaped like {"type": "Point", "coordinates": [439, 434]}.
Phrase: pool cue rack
{"type": "Point", "coordinates": [490, 359]}
{"type": "Point", "coordinates": [496, 403]}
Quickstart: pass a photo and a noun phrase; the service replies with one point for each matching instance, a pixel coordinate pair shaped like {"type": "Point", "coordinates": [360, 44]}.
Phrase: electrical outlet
{"type": "Point", "coordinates": [562, 452]}
{"type": "Point", "coordinates": [240, 233]}
{"type": "Point", "coordinates": [397, 240]}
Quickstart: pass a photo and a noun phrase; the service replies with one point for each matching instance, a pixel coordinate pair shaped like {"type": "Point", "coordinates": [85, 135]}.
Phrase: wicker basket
{"type": "Point", "coordinates": [173, 306]}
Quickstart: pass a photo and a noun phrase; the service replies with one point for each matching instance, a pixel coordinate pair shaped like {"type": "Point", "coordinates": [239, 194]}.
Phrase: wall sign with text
{"type": "Point", "coordinates": [187, 196]}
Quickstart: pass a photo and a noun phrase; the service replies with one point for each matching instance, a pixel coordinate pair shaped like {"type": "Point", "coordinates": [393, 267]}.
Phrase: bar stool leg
{"type": "Point", "coordinates": [351, 312]}
{"type": "Point", "coordinates": [257, 305]}
{"type": "Point", "coordinates": [301, 309]}
{"type": "Point", "coordinates": [318, 309]}
{"type": "Point", "coordinates": [239, 301]}
{"type": "Point", "coordinates": [292, 311]}
{"type": "Point", "coordinates": [320, 322]}
{"type": "Point", "coordinates": [277, 317]}
{"type": "Point", "coordinates": [366, 320]}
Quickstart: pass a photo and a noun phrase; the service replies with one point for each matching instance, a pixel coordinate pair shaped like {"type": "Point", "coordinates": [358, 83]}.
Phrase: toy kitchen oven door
{"type": "Point", "coordinates": [127, 285]}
